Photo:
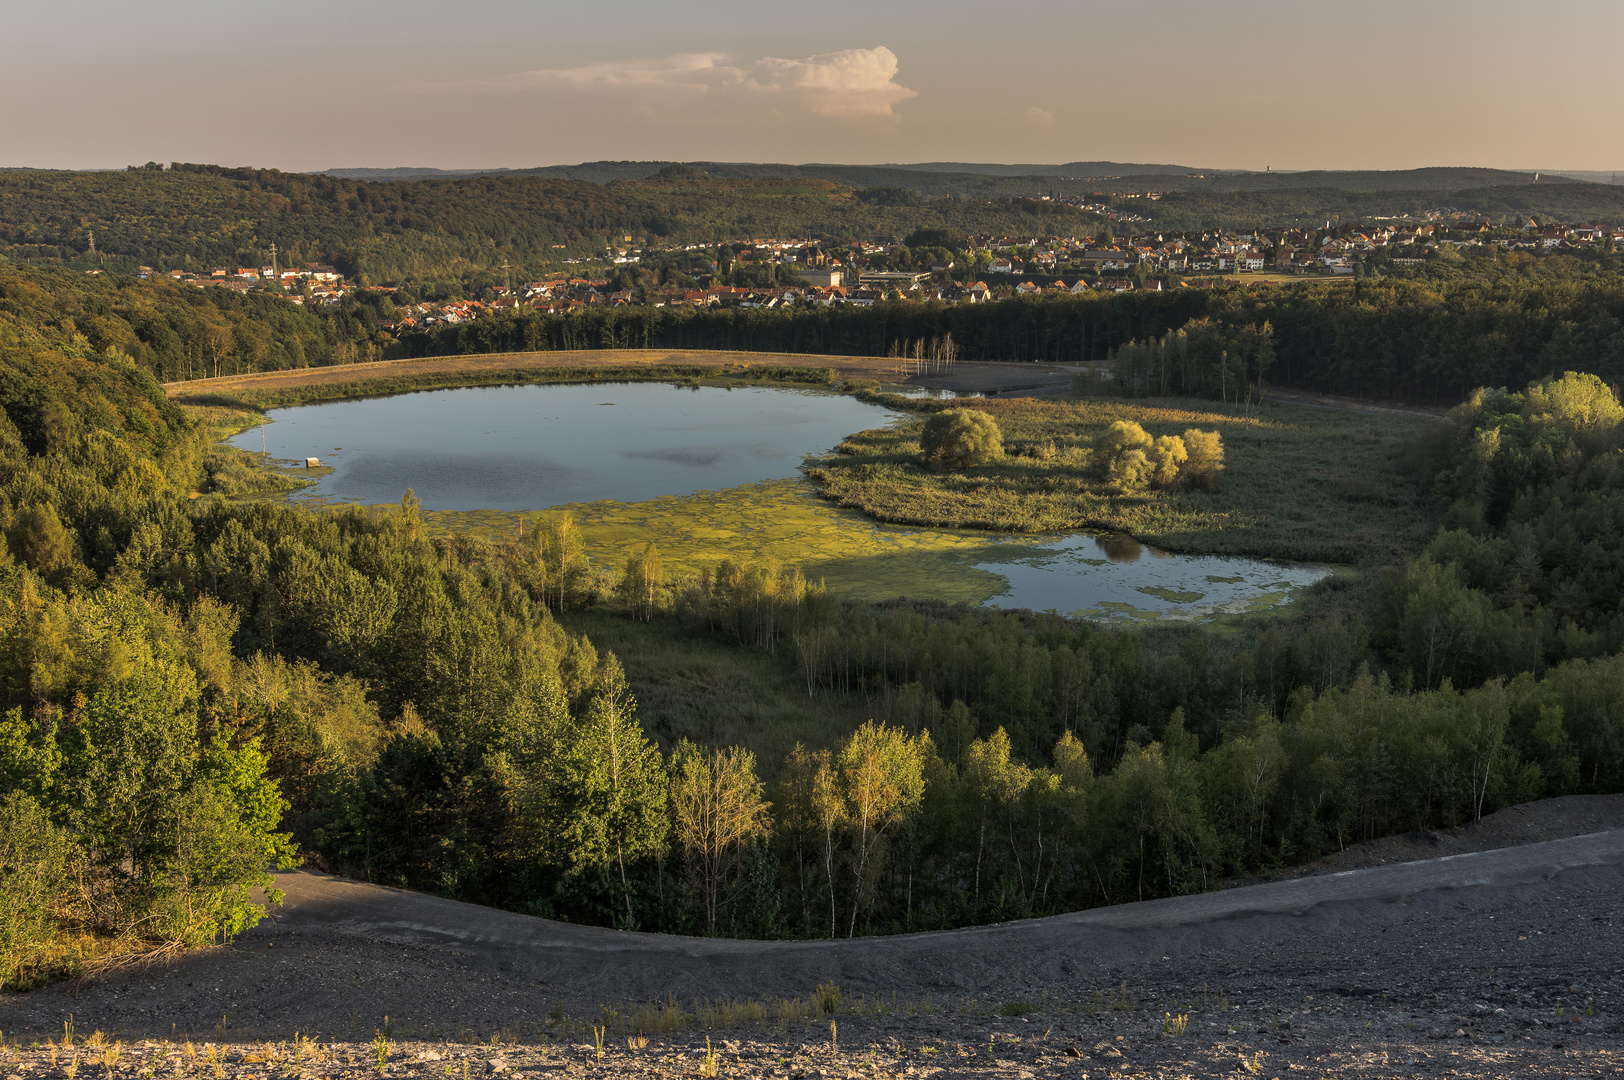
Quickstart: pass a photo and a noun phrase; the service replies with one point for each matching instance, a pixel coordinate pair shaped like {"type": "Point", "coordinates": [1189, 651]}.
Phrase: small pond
{"type": "Point", "coordinates": [709, 473]}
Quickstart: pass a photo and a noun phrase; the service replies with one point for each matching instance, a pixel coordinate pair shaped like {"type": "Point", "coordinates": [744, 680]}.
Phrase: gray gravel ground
{"type": "Point", "coordinates": [1500, 962]}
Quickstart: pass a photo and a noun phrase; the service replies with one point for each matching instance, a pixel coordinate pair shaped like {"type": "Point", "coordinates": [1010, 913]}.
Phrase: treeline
{"type": "Point", "coordinates": [1528, 567]}
{"type": "Point", "coordinates": [1399, 340]}
{"type": "Point", "coordinates": [1428, 340]}
{"type": "Point", "coordinates": [53, 320]}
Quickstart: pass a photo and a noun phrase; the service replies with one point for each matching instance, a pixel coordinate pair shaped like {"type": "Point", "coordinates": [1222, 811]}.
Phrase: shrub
{"type": "Point", "coordinates": [35, 862]}
{"type": "Point", "coordinates": [960, 439]}
{"type": "Point", "coordinates": [1129, 458]}
{"type": "Point", "coordinates": [1167, 457]}
{"type": "Point", "coordinates": [1206, 458]}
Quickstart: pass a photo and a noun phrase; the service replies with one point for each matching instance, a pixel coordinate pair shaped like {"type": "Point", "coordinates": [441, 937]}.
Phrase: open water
{"type": "Point", "coordinates": [532, 447]}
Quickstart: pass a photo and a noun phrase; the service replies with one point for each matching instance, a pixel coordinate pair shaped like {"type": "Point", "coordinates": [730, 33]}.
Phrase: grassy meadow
{"type": "Point", "coordinates": [1299, 483]}
{"type": "Point", "coordinates": [718, 694]}
{"type": "Point", "coordinates": [781, 521]}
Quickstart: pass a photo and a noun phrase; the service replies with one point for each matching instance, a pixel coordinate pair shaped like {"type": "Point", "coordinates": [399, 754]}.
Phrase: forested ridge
{"type": "Point", "coordinates": [461, 229]}
{"type": "Point", "coordinates": [196, 689]}
{"type": "Point", "coordinates": [199, 217]}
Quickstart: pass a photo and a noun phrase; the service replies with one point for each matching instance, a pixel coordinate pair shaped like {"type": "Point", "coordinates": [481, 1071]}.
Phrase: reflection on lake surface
{"type": "Point", "coordinates": [640, 453]}
{"type": "Point", "coordinates": [1105, 576]}
{"type": "Point", "coordinates": [528, 447]}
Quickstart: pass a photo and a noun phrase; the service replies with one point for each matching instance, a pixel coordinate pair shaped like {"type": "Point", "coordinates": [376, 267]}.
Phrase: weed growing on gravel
{"type": "Point", "coordinates": [834, 1037]}
{"type": "Point", "coordinates": [110, 1058]}
{"type": "Point", "coordinates": [636, 1042]}
{"type": "Point", "coordinates": [1175, 1025]}
{"type": "Point", "coordinates": [380, 1050]}
{"type": "Point", "coordinates": [212, 1053]}
{"type": "Point", "coordinates": [71, 1069]}
{"type": "Point", "coordinates": [597, 1041]}
{"type": "Point", "coordinates": [1121, 1001]}
{"type": "Point", "coordinates": [726, 1012]}
{"type": "Point", "coordinates": [661, 1018]}
{"type": "Point", "coordinates": [828, 996]}
{"type": "Point", "coordinates": [1015, 1008]}
{"type": "Point", "coordinates": [709, 1066]}
{"type": "Point", "coordinates": [67, 1031]}
{"type": "Point", "coordinates": [795, 1010]}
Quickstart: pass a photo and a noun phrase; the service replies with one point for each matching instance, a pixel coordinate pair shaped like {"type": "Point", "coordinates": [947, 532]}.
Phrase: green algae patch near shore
{"type": "Point", "coordinates": [783, 520]}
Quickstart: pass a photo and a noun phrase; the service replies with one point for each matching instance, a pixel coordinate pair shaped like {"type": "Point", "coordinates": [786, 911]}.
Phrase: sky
{"type": "Point", "coordinates": [303, 85]}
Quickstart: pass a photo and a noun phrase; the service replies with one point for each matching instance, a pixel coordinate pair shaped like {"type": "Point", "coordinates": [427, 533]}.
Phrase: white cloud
{"type": "Point", "coordinates": [852, 82]}
{"type": "Point", "coordinates": [848, 83]}
{"type": "Point", "coordinates": [1040, 118]}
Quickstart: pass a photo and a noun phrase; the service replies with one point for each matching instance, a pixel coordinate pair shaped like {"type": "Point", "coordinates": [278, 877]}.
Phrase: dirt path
{"type": "Point", "coordinates": [1495, 962]}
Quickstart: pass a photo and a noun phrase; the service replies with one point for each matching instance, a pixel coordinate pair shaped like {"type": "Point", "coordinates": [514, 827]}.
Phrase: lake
{"type": "Point", "coordinates": [710, 472]}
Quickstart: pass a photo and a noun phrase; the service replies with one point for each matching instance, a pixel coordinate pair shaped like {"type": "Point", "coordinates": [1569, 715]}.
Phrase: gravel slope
{"type": "Point", "coordinates": [1505, 961]}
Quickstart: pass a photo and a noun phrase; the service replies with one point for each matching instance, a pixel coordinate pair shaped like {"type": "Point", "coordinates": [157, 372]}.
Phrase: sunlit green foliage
{"type": "Point", "coordinates": [956, 439]}
{"type": "Point", "coordinates": [1302, 484]}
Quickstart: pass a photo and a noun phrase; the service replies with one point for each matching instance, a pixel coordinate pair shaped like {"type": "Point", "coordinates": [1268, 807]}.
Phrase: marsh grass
{"type": "Point", "coordinates": [718, 694]}
{"type": "Point", "coordinates": [1298, 483]}
{"type": "Point", "coordinates": [782, 520]}
{"type": "Point", "coordinates": [227, 470]}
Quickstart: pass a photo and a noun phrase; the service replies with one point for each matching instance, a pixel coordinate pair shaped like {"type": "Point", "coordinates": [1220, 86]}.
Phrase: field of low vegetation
{"type": "Point", "coordinates": [1298, 483]}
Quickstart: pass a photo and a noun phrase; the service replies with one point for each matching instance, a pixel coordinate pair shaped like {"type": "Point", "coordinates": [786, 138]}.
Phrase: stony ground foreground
{"type": "Point", "coordinates": [1506, 962]}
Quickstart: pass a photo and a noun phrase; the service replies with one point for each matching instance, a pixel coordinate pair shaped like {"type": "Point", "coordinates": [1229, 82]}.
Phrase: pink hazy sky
{"type": "Point", "coordinates": [301, 85]}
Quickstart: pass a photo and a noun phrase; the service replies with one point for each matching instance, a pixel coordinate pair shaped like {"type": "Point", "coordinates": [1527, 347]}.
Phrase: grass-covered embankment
{"type": "Point", "coordinates": [1298, 483]}
{"type": "Point", "coordinates": [304, 386]}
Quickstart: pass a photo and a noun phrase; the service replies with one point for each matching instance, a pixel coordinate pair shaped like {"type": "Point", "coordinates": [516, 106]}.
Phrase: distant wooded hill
{"type": "Point", "coordinates": [198, 217]}
{"type": "Point", "coordinates": [962, 178]}
{"type": "Point", "coordinates": [454, 228]}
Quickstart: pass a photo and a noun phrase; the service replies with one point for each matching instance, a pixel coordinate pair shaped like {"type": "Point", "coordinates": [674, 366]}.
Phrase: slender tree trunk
{"type": "Point", "coordinates": [829, 868]}
{"type": "Point", "coordinates": [625, 888]}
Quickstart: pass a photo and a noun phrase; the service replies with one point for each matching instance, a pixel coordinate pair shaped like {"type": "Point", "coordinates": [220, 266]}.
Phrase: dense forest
{"type": "Point", "coordinates": [1431, 337]}
{"type": "Point", "coordinates": [195, 217]}
{"type": "Point", "coordinates": [1427, 340]}
{"type": "Point", "coordinates": [196, 689]}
